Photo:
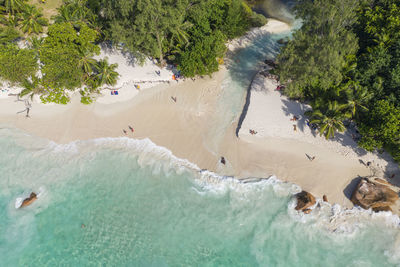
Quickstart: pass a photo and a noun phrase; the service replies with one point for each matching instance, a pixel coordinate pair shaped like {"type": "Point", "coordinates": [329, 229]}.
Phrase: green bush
{"type": "Point", "coordinates": [257, 20]}
{"type": "Point", "coordinates": [17, 64]}
{"type": "Point", "coordinates": [55, 95]}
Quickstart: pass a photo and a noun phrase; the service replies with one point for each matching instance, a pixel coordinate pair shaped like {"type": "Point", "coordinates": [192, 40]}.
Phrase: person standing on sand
{"type": "Point", "coordinates": [295, 127]}
{"type": "Point", "coordinates": [124, 131]}
{"type": "Point", "coordinates": [223, 160]}
{"type": "Point", "coordinates": [130, 128]}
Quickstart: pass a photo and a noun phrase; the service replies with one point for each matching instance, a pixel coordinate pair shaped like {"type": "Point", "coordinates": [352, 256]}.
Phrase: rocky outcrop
{"type": "Point", "coordinates": [378, 197]}
{"type": "Point", "coordinates": [304, 201]}
{"type": "Point", "coordinates": [29, 200]}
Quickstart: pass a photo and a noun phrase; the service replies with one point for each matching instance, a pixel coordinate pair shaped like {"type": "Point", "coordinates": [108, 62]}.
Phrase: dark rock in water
{"type": "Point", "coordinates": [270, 62]}
{"type": "Point", "coordinates": [283, 41]}
{"type": "Point", "coordinates": [372, 195]}
{"type": "Point", "coordinates": [304, 201]}
{"type": "Point", "coordinates": [29, 200]}
{"type": "Point", "coordinates": [383, 208]}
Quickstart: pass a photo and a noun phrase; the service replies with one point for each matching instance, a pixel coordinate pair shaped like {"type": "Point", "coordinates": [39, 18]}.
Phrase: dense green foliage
{"type": "Point", "coordinates": [60, 54]}
{"type": "Point", "coordinates": [19, 15]}
{"type": "Point", "coordinates": [16, 64]}
{"type": "Point", "coordinates": [32, 20]}
{"type": "Point", "coordinates": [189, 33]}
{"type": "Point", "coordinates": [65, 54]}
{"type": "Point", "coordinates": [318, 52]}
{"type": "Point", "coordinates": [348, 52]}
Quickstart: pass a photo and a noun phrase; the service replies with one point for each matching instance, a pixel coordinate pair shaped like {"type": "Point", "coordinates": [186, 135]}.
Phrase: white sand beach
{"type": "Point", "coordinates": [273, 26]}
{"type": "Point", "coordinates": [134, 76]}
{"type": "Point", "coordinates": [337, 161]}
{"type": "Point", "coordinates": [184, 127]}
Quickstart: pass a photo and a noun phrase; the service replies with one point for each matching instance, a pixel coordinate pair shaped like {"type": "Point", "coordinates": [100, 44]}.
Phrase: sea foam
{"type": "Point", "coordinates": [332, 218]}
{"type": "Point", "coordinates": [242, 198]}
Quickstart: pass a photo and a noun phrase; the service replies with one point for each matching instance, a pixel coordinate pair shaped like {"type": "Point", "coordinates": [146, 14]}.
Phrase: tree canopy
{"type": "Point", "coordinates": [348, 52]}
{"type": "Point", "coordinates": [60, 54]}
{"type": "Point", "coordinates": [319, 50]}
{"type": "Point", "coordinates": [189, 33]}
{"type": "Point", "coordinates": [16, 64]}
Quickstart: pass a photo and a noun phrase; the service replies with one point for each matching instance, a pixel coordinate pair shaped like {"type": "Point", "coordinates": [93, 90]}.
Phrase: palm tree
{"type": "Point", "coordinates": [33, 20]}
{"type": "Point", "coordinates": [11, 20]}
{"type": "Point", "coordinates": [87, 63]}
{"type": "Point", "coordinates": [357, 97]}
{"type": "Point", "coordinates": [180, 35]}
{"type": "Point", "coordinates": [8, 34]}
{"type": "Point", "coordinates": [75, 11]}
{"type": "Point", "coordinates": [12, 6]}
{"type": "Point", "coordinates": [179, 39]}
{"type": "Point", "coordinates": [31, 87]}
{"type": "Point", "coordinates": [3, 17]}
{"type": "Point", "coordinates": [329, 119]}
{"type": "Point", "coordinates": [106, 73]}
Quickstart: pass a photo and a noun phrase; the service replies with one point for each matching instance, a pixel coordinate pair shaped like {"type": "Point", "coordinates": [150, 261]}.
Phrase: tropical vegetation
{"type": "Point", "coordinates": [188, 33]}
{"type": "Point", "coordinates": [62, 60]}
{"type": "Point", "coordinates": [345, 62]}
{"type": "Point", "coordinates": [58, 57]}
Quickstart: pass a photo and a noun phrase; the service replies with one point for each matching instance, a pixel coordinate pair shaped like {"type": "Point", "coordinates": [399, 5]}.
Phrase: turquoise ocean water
{"type": "Point", "coordinates": [141, 206]}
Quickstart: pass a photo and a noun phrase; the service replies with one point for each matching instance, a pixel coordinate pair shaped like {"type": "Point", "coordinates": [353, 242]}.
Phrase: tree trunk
{"type": "Point", "coordinates": [159, 42]}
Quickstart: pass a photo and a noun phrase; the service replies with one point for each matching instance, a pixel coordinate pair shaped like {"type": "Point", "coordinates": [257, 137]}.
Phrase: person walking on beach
{"type": "Point", "coordinates": [124, 131]}
{"type": "Point", "coordinates": [312, 158]}
{"type": "Point", "coordinates": [173, 98]}
{"type": "Point", "coordinates": [223, 160]}
{"type": "Point", "coordinates": [295, 127]}
{"type": "Point", "coordinates": [130, 128]}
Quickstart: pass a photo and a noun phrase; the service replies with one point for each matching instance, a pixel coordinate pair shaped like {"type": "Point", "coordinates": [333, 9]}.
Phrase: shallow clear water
{"type": "Point", "coordinates": [242, 66]}
{"type": "Point", "coordinates": [141, 206]}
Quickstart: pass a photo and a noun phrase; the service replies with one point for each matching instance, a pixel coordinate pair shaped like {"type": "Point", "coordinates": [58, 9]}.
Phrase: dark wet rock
{"type": "Point", "coordinates": [29, 200]}
{"type": "Point", "coordinates": [283, 41]}
{"type": "Point", "coordinates": [374, 195]}
{"type": "Point", "coordinates": [270, 62]}
{"type": "Point", "coordinates": [304, 201]}
{"type": "Point", "coordinates": [383, 208]}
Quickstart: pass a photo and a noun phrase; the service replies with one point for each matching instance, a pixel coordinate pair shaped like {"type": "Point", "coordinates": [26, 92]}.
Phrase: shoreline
{"type": "Point", "coordinates": [185, 127]}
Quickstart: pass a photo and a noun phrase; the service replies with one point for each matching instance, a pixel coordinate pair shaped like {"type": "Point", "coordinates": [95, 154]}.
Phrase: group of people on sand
{"type": "Point", "coordinates": [130, 128]}
{"type": "Point", "coordinates": [252, 132]}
